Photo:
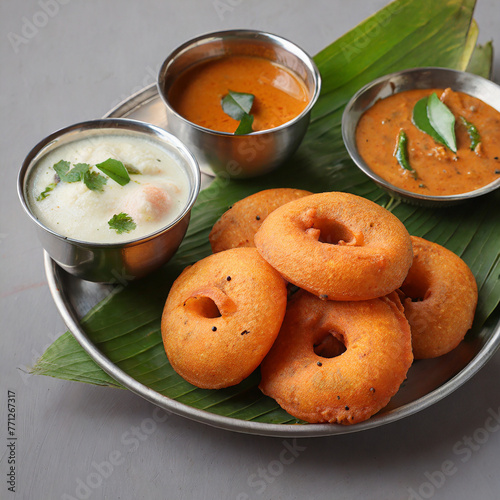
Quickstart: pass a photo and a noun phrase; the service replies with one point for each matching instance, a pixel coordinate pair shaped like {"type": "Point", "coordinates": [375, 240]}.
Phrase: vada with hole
{"type": "Point", "coordinates": [348, 385]}
{"type": "Point", "coordinates": [222, 316]}
{"type": "Point", "coordinates": [337, 246]}
{"type": "Point", "coordinates": [238, 225]}
{"type": "Point", "coordinates": [439, 297]}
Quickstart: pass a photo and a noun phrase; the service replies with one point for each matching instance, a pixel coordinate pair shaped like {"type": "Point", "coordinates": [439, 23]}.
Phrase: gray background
{"type": "Point", "coordinates": [80, 441]}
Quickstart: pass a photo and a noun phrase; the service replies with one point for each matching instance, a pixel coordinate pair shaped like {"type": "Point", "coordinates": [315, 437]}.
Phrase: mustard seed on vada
{"type": "Point", "coordinates": [238, 225]}
{"type": "Point", "coordinates": [222, 316]}
{"type": "Point", "coordinates": [337, 246]}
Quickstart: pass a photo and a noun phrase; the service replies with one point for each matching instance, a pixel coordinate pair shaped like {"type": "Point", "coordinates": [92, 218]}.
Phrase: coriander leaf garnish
{"type": "Point", "coordinates": [474, 135]}
{"type": "Point", "coordinates": [61, 168]}
{"type": "Point", "coordinates": [122, 223]}
{"type": "Point", "coordinates": [433, 117]}
{"type": "Point", "coordinates": [401, 153]}
{"type": "Point", "coordinates": [77, 172]}
{"type": "Point", "coordinates": [94, 181]}
{"type": "Point", "coordinates": [74, 175]}
{"type": "Point", "coordinates": [238, 106]}
{"type": "Point", "coordinates": [46, 191]}
{"type": "Point", "coordinates": [115, 170]}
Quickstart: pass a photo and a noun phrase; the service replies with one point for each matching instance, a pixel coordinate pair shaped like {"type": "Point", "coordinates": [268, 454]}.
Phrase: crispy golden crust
{"type": "Point", "coordinates": [444, 294]}
{"type": "Point", "coordinates": [222, 316]}
{"type": "Point", "coordinates": [352, 386]}
{"type": "Point", "coordinates": [237, 227]}
{"type": "Point", "coordinates": [337, 246]}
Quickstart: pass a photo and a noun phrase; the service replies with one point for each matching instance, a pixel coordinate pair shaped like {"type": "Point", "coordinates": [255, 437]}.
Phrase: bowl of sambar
{"type": "Point", "coordinates": [429, 136]}
{"type": "Point", "coordinates": [280, 79]}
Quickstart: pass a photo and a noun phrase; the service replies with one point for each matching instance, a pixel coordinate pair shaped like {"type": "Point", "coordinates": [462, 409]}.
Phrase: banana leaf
{"type": "Point", "coordinates": [481, 62]}
{"type": "Point", "coordinates": [407, 33]}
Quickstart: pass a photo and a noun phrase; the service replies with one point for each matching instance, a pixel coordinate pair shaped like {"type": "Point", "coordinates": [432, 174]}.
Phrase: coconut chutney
{"type": "Point", "coordinates": [155, 195]}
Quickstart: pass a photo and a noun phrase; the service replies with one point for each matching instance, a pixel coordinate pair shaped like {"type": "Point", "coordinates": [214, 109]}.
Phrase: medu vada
{"type": "Point", "coordinates": [337, 246]}
{"type": "Point", "coordinates": [222, 316]}
{"type": "Point", "coordinates": [439, 297]}
{"type": "Point", "coordinates": [238, 225]}
{"type": "Point", "coordinates": [349, 387]}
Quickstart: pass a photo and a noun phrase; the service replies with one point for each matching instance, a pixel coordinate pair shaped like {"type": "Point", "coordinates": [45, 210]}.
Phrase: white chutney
{"type": "Point", "coordinates": [154, 197]}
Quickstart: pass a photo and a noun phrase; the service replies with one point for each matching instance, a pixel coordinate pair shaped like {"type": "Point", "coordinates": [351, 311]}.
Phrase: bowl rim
{"type": "Point", "coordinates": [123, 125]}
{"type": "Point", "coordinates": [350, 142]}
{"type": "Point", "coordinates": [285, 43]}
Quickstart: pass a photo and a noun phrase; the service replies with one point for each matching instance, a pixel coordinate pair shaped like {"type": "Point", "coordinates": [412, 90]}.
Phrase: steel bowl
{"type": "Point", "coordinates": [417, 78]}
{"type": "Point", "coordinates": [257, 153]}
{"type": "Point", "coordinates": [113, 262]}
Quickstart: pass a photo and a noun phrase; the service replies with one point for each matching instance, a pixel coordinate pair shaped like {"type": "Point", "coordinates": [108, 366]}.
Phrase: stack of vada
{"type": "Point", "coordinates": [369, 299]}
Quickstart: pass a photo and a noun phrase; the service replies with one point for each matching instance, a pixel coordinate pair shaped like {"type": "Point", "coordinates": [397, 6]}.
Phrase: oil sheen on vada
{"type": "Point", "coordinates": [238, 225]}
{"type": "Point", "coordinates": [222, 316]}
{"type": "Point", "coordinates": [439, 297]}
{"type": "Point", "coordinates": [337, 246]}
{"type": "Point", "coordinates": [338, 387]}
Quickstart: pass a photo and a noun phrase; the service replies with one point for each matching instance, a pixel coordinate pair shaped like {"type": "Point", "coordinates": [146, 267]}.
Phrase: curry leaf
{"type": "Point", "coordinates": [237, 104]}
{"type": "Point", "coordinates": [421, 120]}
{"type": "Point", "coordinates": [115, 170]}
{"type": "Point", "coordinates": [245, 126]}
{"type": "Point", "coordinates": [442, 121]}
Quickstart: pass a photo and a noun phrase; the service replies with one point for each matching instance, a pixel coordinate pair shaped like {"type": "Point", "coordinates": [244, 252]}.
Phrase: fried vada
{"type": "Point", "coordinates": [222, 316]}
{"type": "Point", "coordinates": [238, 225]}
{"type": "Point", "coordinates": [439, 297]}
{"type": "Point", "coordinates": [337, 246]}
{"type": "Point", "coordinates": [346, 386]}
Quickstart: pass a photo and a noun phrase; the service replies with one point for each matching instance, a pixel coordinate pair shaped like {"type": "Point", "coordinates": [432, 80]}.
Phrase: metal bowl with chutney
{"type": "Point", "coordinates": [131, 254]}
{"type": "Point", "coordinates": [408, 80]}
{"type": "Point", "coordinates": [223, 152]}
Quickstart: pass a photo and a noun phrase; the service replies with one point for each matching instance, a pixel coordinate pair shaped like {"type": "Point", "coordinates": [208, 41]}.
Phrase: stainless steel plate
{"type": "Point", "coordinates": [428, 381]}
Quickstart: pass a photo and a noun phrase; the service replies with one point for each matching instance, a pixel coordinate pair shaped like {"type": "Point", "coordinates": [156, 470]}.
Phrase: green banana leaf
{"type": "Point", "coordinates": [407, 33]}
{"type": "Point", "coordinates": [481, 62]}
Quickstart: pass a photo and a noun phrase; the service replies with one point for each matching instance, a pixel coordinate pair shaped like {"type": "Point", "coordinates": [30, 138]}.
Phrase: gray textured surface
{"type": "Point", "coordinates": [78, 441]}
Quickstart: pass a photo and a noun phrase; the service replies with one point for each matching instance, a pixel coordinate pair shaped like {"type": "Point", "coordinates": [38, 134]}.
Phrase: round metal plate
{"type": "Point", "coordinates": [428, 381]}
